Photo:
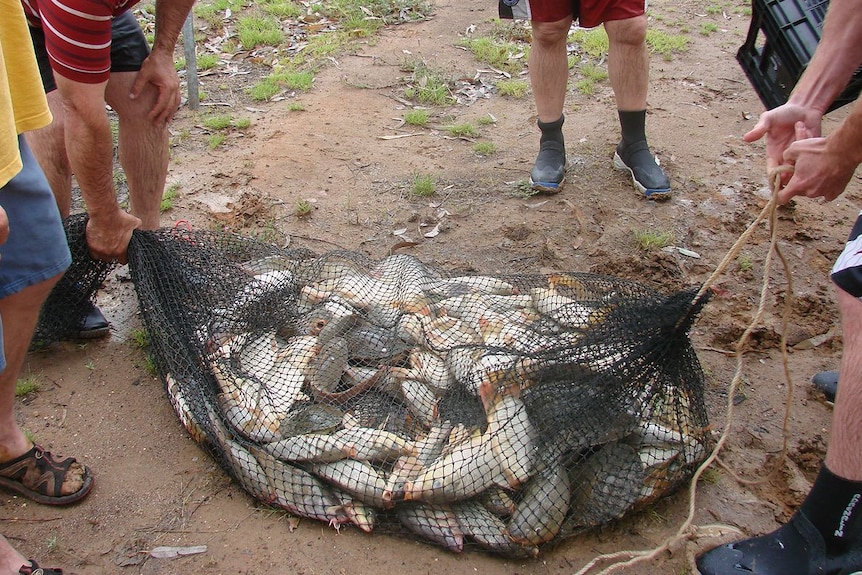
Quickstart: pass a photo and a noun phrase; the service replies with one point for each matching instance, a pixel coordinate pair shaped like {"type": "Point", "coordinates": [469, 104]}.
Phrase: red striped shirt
{"type": "Point", "coordinates": [77, 35]}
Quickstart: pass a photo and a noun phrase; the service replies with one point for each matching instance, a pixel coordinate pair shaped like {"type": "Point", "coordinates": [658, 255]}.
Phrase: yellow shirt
{"type": "Point", "coordinates": [23, 105]}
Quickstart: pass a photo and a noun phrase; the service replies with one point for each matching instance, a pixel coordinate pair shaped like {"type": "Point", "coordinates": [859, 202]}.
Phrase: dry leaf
{"type": "Point", "coordinates": [174, 552]}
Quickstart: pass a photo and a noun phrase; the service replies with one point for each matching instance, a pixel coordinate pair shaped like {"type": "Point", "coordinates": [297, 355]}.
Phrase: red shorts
{"type": "Point", "coordinates": [588, 13]}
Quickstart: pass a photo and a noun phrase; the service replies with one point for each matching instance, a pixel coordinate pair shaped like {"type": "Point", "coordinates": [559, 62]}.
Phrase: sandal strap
{"type": "Point", "coordinates": [38, 470]}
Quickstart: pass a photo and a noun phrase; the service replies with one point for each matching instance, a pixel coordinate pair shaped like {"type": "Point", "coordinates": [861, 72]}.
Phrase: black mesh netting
{"type": "Point", "coordinates": [504, 412]}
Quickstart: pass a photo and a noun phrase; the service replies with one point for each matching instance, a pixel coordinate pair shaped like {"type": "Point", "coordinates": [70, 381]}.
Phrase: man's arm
{"type": "Point", "coordinates": [837, 57]}
{"type": "Point", "coordinates": [170, 17]}
{"type": "Point", "coordinates": [158, 69]}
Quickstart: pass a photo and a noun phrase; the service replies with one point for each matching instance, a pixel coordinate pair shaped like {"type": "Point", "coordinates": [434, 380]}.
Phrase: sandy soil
{"type": "Point", "coordinates": [156, 487]}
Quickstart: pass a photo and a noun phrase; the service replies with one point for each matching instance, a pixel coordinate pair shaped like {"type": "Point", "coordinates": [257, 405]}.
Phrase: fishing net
{"type": "Point", "coordinates": [501, 412]}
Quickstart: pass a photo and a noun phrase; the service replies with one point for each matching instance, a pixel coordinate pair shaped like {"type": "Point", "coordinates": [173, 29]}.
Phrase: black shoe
{"type": "Point", "coordinates": [94, 325]}
{"type": "Point", "coordinates": [550, 168]}
{"type": "Point", "coordinates": [797, 548]}
{"type": "Point", "coordinates": [827, 382]}
{"type": "Point", "coordinates": [646, 174]}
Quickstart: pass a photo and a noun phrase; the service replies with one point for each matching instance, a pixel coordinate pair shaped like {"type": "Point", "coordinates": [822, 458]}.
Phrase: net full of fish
{"type": "Point", "coordinates": [486, 411]}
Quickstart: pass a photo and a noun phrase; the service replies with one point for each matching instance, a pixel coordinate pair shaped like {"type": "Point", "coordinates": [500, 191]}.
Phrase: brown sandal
{"type": "Point", "coordinates": [38, 476]}
{"type": "Point", "coordinates": [34, 569]}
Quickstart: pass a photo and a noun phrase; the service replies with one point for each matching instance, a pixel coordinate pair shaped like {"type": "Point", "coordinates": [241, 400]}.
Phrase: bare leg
{"type": "Point", "coordinates": [549, 70]}
{"type": "Point", "coordinates": [144, 152]}
{"type": "Point", "coordinates": [49, 146]}
{"type": "Point", "coordinates": [628, 62]}
{"type": "Point", "coordinates": [10, 559]}
{"type": "Point", "coordinates": [844, 457]}
{"type": "Point", "coordinates": [20, 313]}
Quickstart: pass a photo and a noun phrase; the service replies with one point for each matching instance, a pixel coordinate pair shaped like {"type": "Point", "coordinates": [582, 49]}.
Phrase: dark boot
{"type": "Point", "coordinates": [827, 382]}
{"type": "Point", "coordinates": [549, 171]}
{"type": "Point", "coordinates": [823, 538]}
{"type": "Point", "coordinates": [93, 325]}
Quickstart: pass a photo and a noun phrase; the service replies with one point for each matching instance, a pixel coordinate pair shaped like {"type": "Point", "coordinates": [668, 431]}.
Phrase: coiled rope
{"type": "Point", "coordinates": [688, 531]}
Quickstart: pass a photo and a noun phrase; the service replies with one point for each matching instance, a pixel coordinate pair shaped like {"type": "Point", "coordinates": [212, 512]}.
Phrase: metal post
{"type": "Point", "coordinates": [191, 62]}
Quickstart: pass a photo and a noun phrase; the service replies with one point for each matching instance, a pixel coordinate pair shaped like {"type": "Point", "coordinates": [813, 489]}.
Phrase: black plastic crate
{"type": "Point", "coordinates": [781, 41]}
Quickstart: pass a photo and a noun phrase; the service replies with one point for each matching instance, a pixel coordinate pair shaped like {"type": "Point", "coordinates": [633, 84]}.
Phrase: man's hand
{"type": "Point", "coordinates": [108, 238]}
{"type": "Point", "coordinates": [158, 71]}
{"type": "Point", "coordinates": [783, 126]}
{"type": "Point", "coordinates": [820, 171]}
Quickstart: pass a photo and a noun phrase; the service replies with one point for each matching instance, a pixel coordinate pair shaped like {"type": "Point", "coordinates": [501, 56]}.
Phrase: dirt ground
{"type": "Point", "coordinates": [155, 486]}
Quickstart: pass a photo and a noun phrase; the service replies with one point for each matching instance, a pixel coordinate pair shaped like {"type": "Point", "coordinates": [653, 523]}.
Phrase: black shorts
{"type": "Point", "coordinates": [847, 271]}
{"type": "Point", "coordinates": [129, 48]}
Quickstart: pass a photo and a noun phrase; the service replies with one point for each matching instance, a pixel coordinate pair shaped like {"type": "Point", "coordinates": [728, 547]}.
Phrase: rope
{"type": "Point", "coordinates": [689, 531]}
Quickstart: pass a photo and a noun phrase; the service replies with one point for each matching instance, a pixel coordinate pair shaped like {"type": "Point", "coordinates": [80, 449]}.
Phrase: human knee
{"type": "Point", "coordinates": [550, 33]}
{"type": "Point", "coordinates": [631, 31]}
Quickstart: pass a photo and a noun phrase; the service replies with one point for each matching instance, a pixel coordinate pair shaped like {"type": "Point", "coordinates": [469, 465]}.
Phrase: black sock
{"type": "Point", "coordinates": [551, 131]}
{"type": "Point", "coordinates": [834, 507]}
{"type": "Point", "coordinates": [633, 126]}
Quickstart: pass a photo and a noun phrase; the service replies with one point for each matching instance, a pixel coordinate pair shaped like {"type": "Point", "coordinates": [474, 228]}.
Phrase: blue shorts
{"type": "Point", "coordinates": [847, 271]}
{"type": "Point", "coordinates": [37, 248]}
{"type": "Point", "coordinates": [129, 48]}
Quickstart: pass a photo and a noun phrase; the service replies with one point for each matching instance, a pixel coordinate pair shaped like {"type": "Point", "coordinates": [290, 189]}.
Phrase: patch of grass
{"type": "Point", "coordinates": [205, 61]}
{"type": "Point", "coordinates": [592, 75]}
{"type": "Point", "coordinates": [485, 148]}
{"type": "Point", "coordinates": [242, 123]}
{"type": "Point", "coordinates": [150, 365]}
{"type": "Point", "coordinates": [303, 208]}
{"type": "Point", "coordinates": [296, 107]}
{"type": "Point", "coordinates": [666, 44]}
{"type": "Point", "coordinates": [585, 86]}
{"type": "Point", "coordinates": [708, 28]}
{"type": "Point", "coordinates": [512, 31]}
{"type": "Point", "coordinates": [215, 141]}
{"type": "Point", "coordinates": [435, 94]}
{"type": "Point", "coordinates": [27, 385]}
{"type": "Point", "coordinates": [254, 30]}
{"type": "Point", "coordinates": [593, 43]}
{"type": "Point", "coordinates": [486, 120]}
{"type": "Point", "coordinates": [217, 122]}
{"type": "Point", "coordinates": [710, 476]}
{"type": "Point", "coordinates": [280, 81]}
{"type": "Point", "coordinates": [213, 12]}
{"type": "Point", "coordinates": [506, 56]}
{"type": "Point", "coordinates": [417, 117]}
{"type": "Point", "coordinates": [714, 9]}
{"type": "Point", "coordinates": [424, 185]}
{"type": "Point", "coordinates": [427, 86]}
{"type": "Point", "coordinates": [513, 88]}
{"type": "Point", "coordinates": [139, 338]}
{"type": "Point", "coordinates": [462, 130]}
{"type": "Point", "coordinates": [385, 11]}
{"type": "Point", "coordinates": [280, 8]}
{"type": "Point", "coordinates": [650, 240]}
{"type": "Point", "coordinates": [593, 72]}
{"type": "Point", "coordinates": [744, 262]}
{"type": "Point", "coordinates": [168, 197]}
{"type": "Point", "coordinates": [523, 189]}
